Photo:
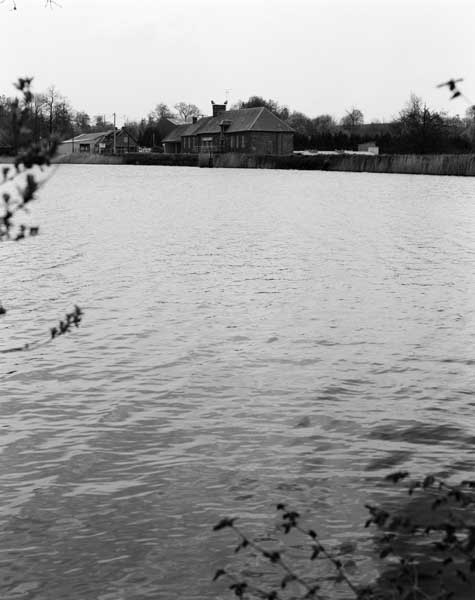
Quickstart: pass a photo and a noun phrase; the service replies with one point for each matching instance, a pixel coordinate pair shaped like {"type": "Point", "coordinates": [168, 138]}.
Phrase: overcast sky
{"type": "Point", "coordinates": [315, 56]}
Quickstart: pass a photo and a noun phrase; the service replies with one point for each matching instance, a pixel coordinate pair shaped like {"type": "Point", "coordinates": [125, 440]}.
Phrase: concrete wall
{"type": "Point", "coordinates": [419, 164]}
{"type": "Point", "coordinates": [88, 158]}
{"type": "Point", "coordinates": [443, 164]}
{"type": "Point", "coordinates": [153, 158]}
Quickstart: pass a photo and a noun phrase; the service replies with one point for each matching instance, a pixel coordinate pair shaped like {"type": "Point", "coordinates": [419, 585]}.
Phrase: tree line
{"type": "Point", "coordinates": [416, 129]}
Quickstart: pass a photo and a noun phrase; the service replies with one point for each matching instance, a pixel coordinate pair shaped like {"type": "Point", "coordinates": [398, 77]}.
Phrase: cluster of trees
{"type": "Point", "coordinates": [47, 114]}
{"type": "Point", "coordinates": [416, 129]}
{"type": "Point", "coordinates": [50, 114]}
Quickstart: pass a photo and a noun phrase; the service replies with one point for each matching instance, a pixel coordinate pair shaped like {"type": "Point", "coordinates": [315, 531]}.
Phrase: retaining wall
{"type": "Point", "coordinates": [422, 164]}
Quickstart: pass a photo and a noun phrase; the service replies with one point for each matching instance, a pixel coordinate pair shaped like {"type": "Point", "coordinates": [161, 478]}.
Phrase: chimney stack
{"type": "Point", "coordinates": [218, 108]}
{"type": "Point", "coordinates": [194, 119]}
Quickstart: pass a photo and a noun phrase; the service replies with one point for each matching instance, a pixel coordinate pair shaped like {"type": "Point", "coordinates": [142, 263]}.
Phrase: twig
{"type": "Point", "coordinates": [72, 318]}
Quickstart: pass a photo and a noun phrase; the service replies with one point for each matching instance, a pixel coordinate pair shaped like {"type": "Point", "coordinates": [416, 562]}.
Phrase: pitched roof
{"type": "Point", "coordinates": [175, 134]}
{"type": "Point", "coordinates": [178, 121]}
{"type": "Point", "coordinates": [244, 119]}
{"type": "Point", "coordinates": [173, 120]}
{"type": "Point", "coordinates": [92, 138]}
{"type": "Point", "coordinates": [87, 138]}
{"type": "Point", "coordinates": [122, 130]}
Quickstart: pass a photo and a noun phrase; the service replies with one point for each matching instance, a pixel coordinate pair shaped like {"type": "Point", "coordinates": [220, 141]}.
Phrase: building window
{"type": "Point", "coordinates": [242, 141]}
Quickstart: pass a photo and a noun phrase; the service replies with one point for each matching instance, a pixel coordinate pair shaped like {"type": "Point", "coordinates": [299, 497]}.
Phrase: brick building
{"type": "Point", "coordinates": [244, 131]}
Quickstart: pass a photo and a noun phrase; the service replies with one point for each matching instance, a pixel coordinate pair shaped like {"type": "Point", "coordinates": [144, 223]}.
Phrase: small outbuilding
{"type": "Point", "coordinates": [124, 142]}
{"type": "Point", "coordinates": [84, 142]}
{"type": "Point", "coordinates": [100, 142]}
{"type": "Point", "coordinates": [369, 147]}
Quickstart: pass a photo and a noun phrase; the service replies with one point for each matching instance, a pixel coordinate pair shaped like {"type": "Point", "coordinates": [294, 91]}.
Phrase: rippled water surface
{"type": "Point", "coordinates": [249, 337]}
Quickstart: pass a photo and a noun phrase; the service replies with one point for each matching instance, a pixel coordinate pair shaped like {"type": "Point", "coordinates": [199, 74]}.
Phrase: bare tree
{"type": "Point", "coordinates": [352, 118]}
{"type": "Point", "coordinates": [324, 124]}
{"type": "Point", "coordinates": [51, 99]}
{"type": "Point", "coordinates": [82, 121]}
{"type": "Point", "coordinates": [186, 110]}
{"type": "Point", "coordinates": [161, 111]}
{"type": "Point", "coordinates": [470, 113]}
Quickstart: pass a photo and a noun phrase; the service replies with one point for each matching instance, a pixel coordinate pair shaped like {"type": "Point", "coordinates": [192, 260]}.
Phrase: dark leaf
{"type": "Point", "coordinates": [219, 573]}
{"type": "Point", "coordinates": [397, 476]}
{"type": "Point", "coordinates": [273, 556]}
{"type": "Point", "coordinates": [226, 522]}
{"type": "Point", "coordinates": [312, 534]}
{"type": "Point", "coordinates": [428, 481]}
{"type": "Point", "coordinates": [315, 552]}
{"type": "Point", "coordinates": [461, 575]}
{"type": "Point", "coordinates": [286, 580]}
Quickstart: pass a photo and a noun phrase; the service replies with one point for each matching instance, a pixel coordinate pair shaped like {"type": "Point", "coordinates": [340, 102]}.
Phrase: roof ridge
{"type": "Point", "coordinates": [257, 116]}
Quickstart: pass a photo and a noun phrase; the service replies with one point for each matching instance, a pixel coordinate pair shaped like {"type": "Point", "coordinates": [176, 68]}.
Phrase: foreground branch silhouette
{"type": "Point", "coordinates": [426, 548]}
{"type": "Point", "coordinates": [18, 188]}
{"type": "Point", "coordinates": [47, 3]}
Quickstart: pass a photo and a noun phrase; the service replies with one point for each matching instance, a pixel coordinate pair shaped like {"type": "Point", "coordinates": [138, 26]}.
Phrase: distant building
{"type": "Point", "coordinates": [124, 142]}
{"type": "Point", "coordinates": [166, 125]}
{"type": "Point", "coordinates": [368, 147]}
{"type": "Point", "coordinates": [101, 142]}
{"type": "Point", "coordinates": [172, 143]}
{"type": "Point", "coordinates": [84, 142]}
{"type": "Point", "coordinates": [245, 131]}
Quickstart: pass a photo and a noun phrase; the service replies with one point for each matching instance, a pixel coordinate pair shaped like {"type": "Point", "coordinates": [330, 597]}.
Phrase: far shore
{"type": "Point", "coordinates": [462, 165]}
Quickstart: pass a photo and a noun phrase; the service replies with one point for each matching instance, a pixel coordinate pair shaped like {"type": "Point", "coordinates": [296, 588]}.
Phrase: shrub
{"type": "Point", "coordinates": [427, 549]}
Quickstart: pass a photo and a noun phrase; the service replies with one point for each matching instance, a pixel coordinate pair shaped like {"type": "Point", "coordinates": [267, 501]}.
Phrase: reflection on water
{"type": "Point", "coordinates": [249, 337]}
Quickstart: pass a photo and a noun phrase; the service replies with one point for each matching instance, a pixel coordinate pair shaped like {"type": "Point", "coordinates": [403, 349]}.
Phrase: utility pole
{"type": "Point", "coordinates": [114, 151]}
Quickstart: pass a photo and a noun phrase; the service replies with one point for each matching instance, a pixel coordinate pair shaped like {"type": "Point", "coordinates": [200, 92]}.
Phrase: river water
{"type": "Point", "coordinates": [249, 337]}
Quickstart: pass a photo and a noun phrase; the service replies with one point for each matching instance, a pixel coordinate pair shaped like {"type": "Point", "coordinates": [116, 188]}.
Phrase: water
{"type": "Point", "coordinates": [249, 337]}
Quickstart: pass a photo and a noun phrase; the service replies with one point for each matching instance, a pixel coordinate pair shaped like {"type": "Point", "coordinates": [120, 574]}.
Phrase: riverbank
{"type": "Point", "coordinates": [420, 164]}
{"type": "Point", "coordinates": [437, 164]}
{"type": "Point", "coordinates": [85, 158]}
{"type": "Point", "coordinates": [462, 165]}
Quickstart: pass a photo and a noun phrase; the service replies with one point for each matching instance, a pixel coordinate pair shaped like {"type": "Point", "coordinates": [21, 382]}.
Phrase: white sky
{"type": "Point", "coordinates": [320, 56]}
